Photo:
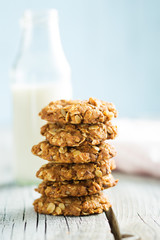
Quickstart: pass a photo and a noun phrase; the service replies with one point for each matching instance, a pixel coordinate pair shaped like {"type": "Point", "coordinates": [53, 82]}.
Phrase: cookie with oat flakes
{"type": "Point", "coordinates": [76, 188]}
{"type": "Point", "coordinates": [90, 111]}
{"type": "Point", "coordinates": [72, 206]}
{"type": "Point", "coordinates": [75, 135]}
{"type": "Point", "coordinates": [66, 172]}
{"type": "Point", "coordinates": [81, 154]}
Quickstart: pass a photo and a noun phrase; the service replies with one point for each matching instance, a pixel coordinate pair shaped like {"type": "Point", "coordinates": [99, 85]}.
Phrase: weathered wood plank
{"type": "Point", "coordinates": [14, 214]}
{"type": "Point", "coordinates": [19, 221]}
{"type": "Point", "coordinates": [89, 227]}
{"type": "Point", "coordinates": [136, 202]}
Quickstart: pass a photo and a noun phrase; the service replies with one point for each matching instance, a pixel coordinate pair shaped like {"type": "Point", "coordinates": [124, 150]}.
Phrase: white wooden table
{"type": "Point", "coordinates": [135, 200]}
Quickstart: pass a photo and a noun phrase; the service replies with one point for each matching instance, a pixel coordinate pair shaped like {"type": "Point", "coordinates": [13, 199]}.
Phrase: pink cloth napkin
{"type": "Point", "coordinates": [138, 146]}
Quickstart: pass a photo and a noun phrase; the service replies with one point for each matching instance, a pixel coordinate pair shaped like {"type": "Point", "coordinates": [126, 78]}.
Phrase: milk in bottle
{"type": "Point", "coordinates": [41, 74]}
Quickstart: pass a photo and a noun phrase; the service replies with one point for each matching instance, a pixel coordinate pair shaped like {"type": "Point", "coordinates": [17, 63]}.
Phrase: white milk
{"type": "Point", "coordinates": [28, 100]}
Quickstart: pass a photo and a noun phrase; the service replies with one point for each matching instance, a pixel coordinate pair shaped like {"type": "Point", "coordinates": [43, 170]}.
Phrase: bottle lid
{"type": "Point", "coordinates": [38, 17]}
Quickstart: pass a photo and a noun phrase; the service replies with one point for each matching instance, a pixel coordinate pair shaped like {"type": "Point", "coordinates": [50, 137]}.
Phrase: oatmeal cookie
{"type": "Point", "coordinates": [80, 154]}
{"type": "Point", "coordinates": [90, 111]}
{"type": "Point", "coordinates": [66, 172]}
{"type": "Point", "coordinates": [72, 206]}
{"type": "Point", "coordinates": [76, 188]}
{"type": "Point", "coordinates": [75, 135]}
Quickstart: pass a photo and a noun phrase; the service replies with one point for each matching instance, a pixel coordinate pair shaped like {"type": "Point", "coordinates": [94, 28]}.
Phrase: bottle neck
{"type": "Point", "coordinates": [42, 35]}
{"type": "Point", "coordinates": [41, 55]}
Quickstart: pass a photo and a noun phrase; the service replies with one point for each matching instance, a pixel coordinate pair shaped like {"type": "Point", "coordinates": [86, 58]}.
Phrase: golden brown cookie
{"type": "Point", "coordinates": [75, 135]}
{"type": "Point", "coordinates": [80, 154]}
{"type": "Point", "coordinates": [76, 188]}
{"type": "Point", "coordinates": [66, 172]}
{"type": "Point", "coordinates": [90, 111]}
{"type": "Point", "coordinates": [72, 206]}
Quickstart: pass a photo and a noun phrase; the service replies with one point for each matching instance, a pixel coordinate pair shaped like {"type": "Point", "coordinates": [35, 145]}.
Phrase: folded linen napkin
{"type": "Point", "coordinates": [138, 146]}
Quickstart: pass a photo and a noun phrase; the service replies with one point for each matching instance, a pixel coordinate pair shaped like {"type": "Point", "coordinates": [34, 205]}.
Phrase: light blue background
{"type": "Point", "coordinates": [113, 47]}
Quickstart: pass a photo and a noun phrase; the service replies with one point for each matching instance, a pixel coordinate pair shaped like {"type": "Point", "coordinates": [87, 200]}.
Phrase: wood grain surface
{"type": "Point", "coordinates": [135, 201]}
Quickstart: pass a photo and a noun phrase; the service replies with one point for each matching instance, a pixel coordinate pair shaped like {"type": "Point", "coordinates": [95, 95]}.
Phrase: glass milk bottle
{"type": "Point", "coordinates": [40, 74]}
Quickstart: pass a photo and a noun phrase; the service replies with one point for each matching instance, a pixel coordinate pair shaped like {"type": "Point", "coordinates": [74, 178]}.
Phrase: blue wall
{"type": "Point", "coordinates": [113, 47]}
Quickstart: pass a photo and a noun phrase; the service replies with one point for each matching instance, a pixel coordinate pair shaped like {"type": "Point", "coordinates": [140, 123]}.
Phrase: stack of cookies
{"type": "Point", "coordinates": [80, 161]}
